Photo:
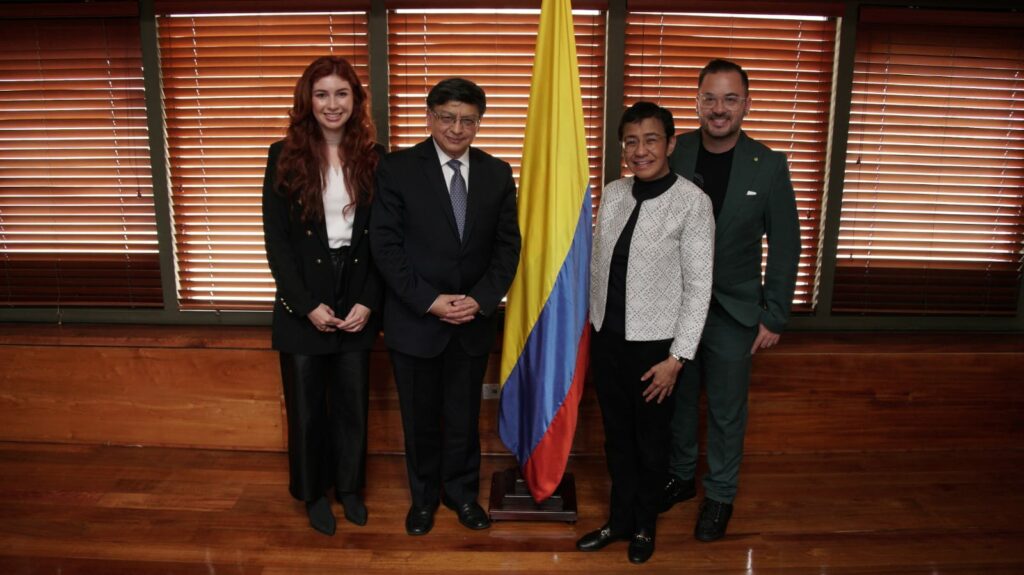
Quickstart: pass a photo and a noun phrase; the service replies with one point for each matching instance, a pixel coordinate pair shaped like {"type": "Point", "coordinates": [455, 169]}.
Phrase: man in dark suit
{"type": "Point", "coordinates": [752, 197]}
{"type": "Point", "coordinates": [445, 237]}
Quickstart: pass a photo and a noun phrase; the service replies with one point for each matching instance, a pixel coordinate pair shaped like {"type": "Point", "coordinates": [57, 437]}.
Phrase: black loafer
{"type": "Point", "coordinates": [419, 520]}
{"type": "Point", "coordinates": [473, 516]}
{"type": "Point", "coordinates": [676, 491]}
{"type": "Point", "coordinates": [641, 546]}
{"type": "Point", "coordinates": [599, 539]}
{"type": "Point", "coordinates": [712, 521]}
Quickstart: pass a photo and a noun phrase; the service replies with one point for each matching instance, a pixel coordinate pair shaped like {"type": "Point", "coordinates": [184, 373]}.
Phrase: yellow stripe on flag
{"type": "Point", "coordinates": [553, 179]}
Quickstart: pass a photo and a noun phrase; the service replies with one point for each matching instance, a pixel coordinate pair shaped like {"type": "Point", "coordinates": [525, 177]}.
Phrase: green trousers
{"type": "Point", "coordinates": [722, 368]}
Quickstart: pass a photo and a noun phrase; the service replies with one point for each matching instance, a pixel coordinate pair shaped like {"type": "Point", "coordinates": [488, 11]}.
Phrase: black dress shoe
{"type": "Point", "coordinates": [599, 539]}
{"type": "Point", "coordinates": [713, 519]}
{"type": "Point", "coordinates": [320, 515]}
{"type": "Point", "coordinates": [355, 509]}
{"type": "Point", "coordinates": [473, 516]}
{"type": "Point", "coordinates": [419, 520]}
{"type": "Point", "coordinates": [641, 546]}
{"type": "Point", "coordinates": [676, 491]}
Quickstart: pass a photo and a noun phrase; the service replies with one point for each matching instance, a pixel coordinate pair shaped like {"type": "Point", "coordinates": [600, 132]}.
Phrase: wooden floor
{"type": "Point", "coordinates": [116, 510]}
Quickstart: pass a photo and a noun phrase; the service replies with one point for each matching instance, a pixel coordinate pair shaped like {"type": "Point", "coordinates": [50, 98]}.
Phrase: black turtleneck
{"type": "Point", "coordinates": [615, 309]}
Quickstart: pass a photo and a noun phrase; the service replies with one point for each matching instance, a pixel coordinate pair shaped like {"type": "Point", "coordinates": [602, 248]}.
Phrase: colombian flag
{"type": "Point", "coordinates": [546, 342]}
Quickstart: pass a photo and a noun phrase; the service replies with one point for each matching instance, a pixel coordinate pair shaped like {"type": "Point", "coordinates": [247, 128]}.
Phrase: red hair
{"type": "Point", "coordinates": [302, 166]}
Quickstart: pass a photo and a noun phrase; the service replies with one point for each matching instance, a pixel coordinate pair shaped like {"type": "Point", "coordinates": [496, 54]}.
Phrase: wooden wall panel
{"type": "Point", "coordinates": [219, 387]}
{"type": "Point", "coordinates": [867, 400]}
{"type": "Point", "coordinates": [141, 396]}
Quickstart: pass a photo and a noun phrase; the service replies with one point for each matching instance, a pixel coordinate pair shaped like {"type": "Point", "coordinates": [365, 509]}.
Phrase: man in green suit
{"type": "Point", "coordinates": [752, 197]}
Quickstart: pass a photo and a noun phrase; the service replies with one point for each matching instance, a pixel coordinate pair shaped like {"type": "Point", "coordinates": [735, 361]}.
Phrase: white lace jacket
{"type": "Point", "coordinates": [668, 278]}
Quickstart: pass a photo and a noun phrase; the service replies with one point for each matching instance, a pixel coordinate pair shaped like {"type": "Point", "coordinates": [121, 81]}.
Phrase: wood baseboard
{"type": "Point", "coordinates": [218, 387]}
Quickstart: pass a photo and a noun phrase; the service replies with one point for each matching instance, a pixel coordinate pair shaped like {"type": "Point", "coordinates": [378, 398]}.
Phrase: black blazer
{"type": "Point", "coordinates": [416, 246]}
{"type": "Point", "coordinates": [300, 261]}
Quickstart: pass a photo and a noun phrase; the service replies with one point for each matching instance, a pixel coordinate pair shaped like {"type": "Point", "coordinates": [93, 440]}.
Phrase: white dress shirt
{"type": "Point", "coordinates": [448, 171]}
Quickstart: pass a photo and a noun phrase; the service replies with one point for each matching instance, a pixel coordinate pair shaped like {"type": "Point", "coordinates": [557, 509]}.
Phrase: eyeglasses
{"type": "Point", "coordinates": [447, 120]}
{"type": "Point", "coordinates": [730, 102]}
{"type": "Point", "coordinates": [630, 145]}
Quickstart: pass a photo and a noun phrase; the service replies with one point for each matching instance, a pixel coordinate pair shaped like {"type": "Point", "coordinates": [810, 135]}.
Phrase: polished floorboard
{"type": "Point", "coordinates": [117, 510]}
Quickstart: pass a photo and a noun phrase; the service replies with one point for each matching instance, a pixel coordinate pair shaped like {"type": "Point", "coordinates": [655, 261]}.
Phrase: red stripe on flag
{"type": "Point", "coordinates": [543, 471]}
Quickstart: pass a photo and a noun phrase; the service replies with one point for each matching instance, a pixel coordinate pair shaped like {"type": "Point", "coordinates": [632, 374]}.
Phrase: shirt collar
{"type": "Point", "coordinates": [464, 158]}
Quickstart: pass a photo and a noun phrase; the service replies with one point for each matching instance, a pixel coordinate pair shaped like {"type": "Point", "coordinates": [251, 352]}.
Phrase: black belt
{"type": "Point", "coordinates": [338, 258]}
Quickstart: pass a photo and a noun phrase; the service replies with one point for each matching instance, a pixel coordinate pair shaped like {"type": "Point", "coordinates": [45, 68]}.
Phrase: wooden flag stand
{"type": "Point", "coordinates": [511, 500]}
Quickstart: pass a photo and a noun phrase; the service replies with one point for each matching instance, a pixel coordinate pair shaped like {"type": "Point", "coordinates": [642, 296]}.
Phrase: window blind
{"type": "Point", "coordinates": [789, 60]}
{"type": "Point", "coordinates": [932, 219]}
{"type": "Point", "coordinates": [228, 82]}
{"type": "Point", "coordinates": [77, 224]}
{"type": "Point", "coordinates": [495, 49]}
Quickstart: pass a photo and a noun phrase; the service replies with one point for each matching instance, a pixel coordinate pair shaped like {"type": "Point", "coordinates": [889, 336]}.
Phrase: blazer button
{"type": "Point", "coordinates": [309, 232]}
{"type": "Point", "coordinates": [355, 260]}
{"type": "Point", "coordinates": [318, 260]}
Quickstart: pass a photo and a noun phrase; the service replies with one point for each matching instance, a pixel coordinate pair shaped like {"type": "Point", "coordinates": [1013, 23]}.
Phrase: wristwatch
{"type": "Point", "coordinates": [678, 357]}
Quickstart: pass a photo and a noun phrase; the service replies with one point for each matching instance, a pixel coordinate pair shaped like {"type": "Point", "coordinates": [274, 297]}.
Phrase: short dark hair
{"type": "Point", "coordinates": [457, 90]}
{"type": "Point", "coordinates": [719, 65]}
{"type": "Point", "coordinates": [642, 110]}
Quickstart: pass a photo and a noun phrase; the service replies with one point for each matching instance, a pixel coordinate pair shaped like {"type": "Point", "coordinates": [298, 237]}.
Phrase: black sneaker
{"type": "Point", "coordinates": [712, 521]}
{"type": "Point", "coordinates": [677, 490]}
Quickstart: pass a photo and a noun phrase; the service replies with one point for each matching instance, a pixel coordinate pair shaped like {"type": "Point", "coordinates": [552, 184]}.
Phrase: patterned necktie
{"type": "Point", "coordinates": [459, 195]}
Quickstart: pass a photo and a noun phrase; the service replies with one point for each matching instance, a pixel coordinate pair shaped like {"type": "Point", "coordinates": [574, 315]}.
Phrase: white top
{"type": "Point", "coordinates": [448, 171]}
{"type": "Point", "coordinates": [339, 223]}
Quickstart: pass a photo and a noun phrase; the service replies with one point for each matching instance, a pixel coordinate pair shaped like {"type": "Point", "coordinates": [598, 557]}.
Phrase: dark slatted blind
{"type": "Point", "coordinates": [495, 49]}
{"type": "Point", "coordinates": [77, 224]}
{"type": "Point", "coordinates": [228, 82]}
{"type": "Point", "coordinates": [789, 61]}
{"type": "Point", "coordinates": [932, 205]}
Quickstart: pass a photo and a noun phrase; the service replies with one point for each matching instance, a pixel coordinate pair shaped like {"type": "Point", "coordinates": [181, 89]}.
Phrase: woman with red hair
{"type": "Point", "coordinates": [316, 204]}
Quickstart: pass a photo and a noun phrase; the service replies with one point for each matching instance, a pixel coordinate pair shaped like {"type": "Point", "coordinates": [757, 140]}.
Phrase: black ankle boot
{"type": "Point", "coordinates": [321, 517]}
{"type": "Point", "coordinates": [355, 509]}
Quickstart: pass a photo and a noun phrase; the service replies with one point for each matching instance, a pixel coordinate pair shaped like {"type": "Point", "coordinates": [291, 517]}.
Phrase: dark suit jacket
{"type": "Point", "coordinates": [417, 249]}
{"type": "Point", "coordinates": [300, 261]}
{"type": "Point", "coordinates": [759, 201]}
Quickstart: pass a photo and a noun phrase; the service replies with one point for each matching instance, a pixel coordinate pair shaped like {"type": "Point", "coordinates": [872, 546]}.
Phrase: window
{"type": "Point", "coordinates": [789, 60]}
{"type": "Point", "coordinates": [495, 49]}
{"type": "Point", "coordinates": [932, 217]}
{"type": "Point", "coordinates": [228, 82]}
{"type": "Point", "coordinates": [77, 225]}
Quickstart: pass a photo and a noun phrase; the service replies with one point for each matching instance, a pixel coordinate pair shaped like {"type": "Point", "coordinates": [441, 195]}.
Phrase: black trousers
{"type": "Point", "coordinates": [327, 399]}
{"type": "Point", "coordinates": [440, 403]}
{"type": "Point", "coordinates": [637, 438]}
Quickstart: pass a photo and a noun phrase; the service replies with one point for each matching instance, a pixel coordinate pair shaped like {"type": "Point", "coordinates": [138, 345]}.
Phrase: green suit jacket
{"type": "Point", "coordinates": [759, 201]}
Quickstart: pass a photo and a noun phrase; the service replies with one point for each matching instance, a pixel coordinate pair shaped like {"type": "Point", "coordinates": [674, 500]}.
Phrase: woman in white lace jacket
{"type": "Point", "coordinates": [649, 294]}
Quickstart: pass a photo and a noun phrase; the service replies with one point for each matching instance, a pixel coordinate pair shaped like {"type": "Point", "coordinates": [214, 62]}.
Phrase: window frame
{"type": "Point", "coordinates": [130, 268]}
{"type": "Point", "coordinates": [821, 320]}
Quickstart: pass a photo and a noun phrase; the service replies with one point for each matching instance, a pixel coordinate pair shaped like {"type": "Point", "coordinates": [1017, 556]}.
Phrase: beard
{"type": "Point", "coordinates": [711, 129]}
